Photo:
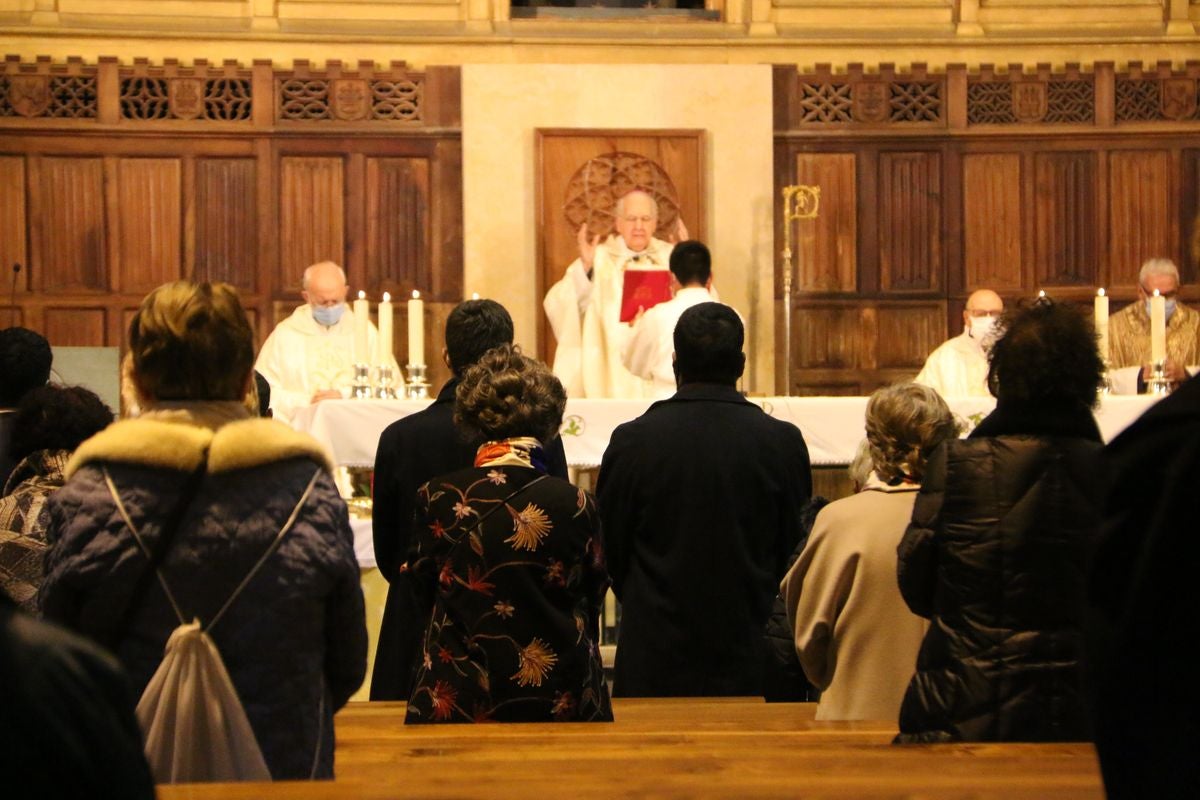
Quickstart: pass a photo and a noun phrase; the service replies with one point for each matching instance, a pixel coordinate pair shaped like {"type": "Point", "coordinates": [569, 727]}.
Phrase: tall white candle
{"type": "Point", "coordinates": [416, 330]}
{"type": "Point", "coordinates": [1158, 328]}
{"type": "Point", "coordinates": [1101, 321]}
{"type": "Point", "coordinates": [384, 355]}
{"type": "Point", "coordinates": [362, 318]}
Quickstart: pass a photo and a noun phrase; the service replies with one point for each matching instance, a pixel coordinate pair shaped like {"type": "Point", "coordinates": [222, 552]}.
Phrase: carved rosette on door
{"type": "Point", "coordinates": [593, 191]}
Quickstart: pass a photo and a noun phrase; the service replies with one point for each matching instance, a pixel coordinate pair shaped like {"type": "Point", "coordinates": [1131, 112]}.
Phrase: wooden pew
{"type": "Point", "coordinates": [671, 748]}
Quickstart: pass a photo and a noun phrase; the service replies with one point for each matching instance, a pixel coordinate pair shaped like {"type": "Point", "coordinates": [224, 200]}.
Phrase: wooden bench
{"type": "Point", "coordinates": [671, 748]}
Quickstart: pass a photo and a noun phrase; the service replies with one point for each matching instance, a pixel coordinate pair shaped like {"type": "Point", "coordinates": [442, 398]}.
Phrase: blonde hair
{"type": "Point", "coordinates": [191, 341]}
{"type": "Point", "coordinates": [508, 394]}
{"type": "Point", "coordinates": [905, 422]}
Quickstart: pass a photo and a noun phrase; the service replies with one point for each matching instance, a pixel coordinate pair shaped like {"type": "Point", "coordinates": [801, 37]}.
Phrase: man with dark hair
{"type": "Point", "coordinates": [411, 451]}
{"type": "Point", "coordinates": [647, 353]}
{"type": "Point", "coordinates": [701, 500]}
{"type": "Point", "coordinates": [25, 365]}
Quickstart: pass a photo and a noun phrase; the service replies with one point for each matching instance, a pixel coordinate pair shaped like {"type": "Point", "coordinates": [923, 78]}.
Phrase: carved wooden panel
{"type": "Point", "coordinates": [149, 225]}
{"type": "Point", "coordinates": [1065, 224]}
{"type": "Point", "coordinates": [907, 334]}
{"type": "Point", "coordinates": [69, 225]}
{"type": "Point", "coordinates": [75, 327]}
{"type": "Point", "coordinates": [910, 221]}
{"type": "Point", "coordinates": [679, 154]}
{"type": "Point", "coordinates": [992, 221]}
{"type": "Point", "coordinates": [311, 217]}
{"type": "Point", "coordinates": [826, 248]}
{"type": "Point", "coordinates": [226, 227]}
{"type": "Point", "coordinates": [12, 222]}
{"type": "Point", "coordinates": [825, 337]}
{"type": "Point", "coordinates": [398, 224]}
{"type": "Point", "coordinates": [1141, 216]}
{"type": "Point", "coordinates": [446, 216]}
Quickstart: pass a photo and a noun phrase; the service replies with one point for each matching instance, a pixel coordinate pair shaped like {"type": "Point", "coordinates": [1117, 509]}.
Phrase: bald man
{"type": "Point", "coordinates": [309, 357]}
{"type": "Point", "coordinates": [959, 367]}
{"type": "Point", "coordinates": [584, 307]}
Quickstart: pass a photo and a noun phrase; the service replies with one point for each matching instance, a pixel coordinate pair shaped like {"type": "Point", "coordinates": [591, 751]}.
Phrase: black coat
{"type": "Point", "coordinates": [701, 500]}
{"type": "Point", "coordinates": [996, 557]}
{"type": "Point", "coordinates": [411, 451]}
{"type": "Point", "coordinates": [1144, 692]}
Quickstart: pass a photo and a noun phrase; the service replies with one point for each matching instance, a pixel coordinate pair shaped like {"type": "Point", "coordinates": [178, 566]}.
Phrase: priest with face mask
{"type": "Point", "coordinates": [959, 366]}
{"type": "Point", "coordinates": [1129, 331]}
{"type": "Point", "coordinates": [309, 357]}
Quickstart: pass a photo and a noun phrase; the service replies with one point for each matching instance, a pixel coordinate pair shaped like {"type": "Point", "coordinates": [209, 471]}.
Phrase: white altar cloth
{"type": "Point", "coordinates": [832, 426]}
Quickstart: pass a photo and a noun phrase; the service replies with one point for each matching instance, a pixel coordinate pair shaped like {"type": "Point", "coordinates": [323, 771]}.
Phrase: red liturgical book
{"type": "Point", "coordinates": [644, 288]}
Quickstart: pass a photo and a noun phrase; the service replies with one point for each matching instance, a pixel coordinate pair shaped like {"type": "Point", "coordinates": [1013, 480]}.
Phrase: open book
{"type": "Point", "coordinates": [644, 288]}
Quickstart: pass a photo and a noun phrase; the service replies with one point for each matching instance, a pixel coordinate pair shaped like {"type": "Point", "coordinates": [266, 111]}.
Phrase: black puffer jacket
{"type": "Point", "coordinates": [996, 556]}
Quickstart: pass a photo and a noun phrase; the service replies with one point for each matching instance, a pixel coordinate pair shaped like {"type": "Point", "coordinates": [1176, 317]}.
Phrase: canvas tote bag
{"type": "Point", "coordinates": [194, 724]}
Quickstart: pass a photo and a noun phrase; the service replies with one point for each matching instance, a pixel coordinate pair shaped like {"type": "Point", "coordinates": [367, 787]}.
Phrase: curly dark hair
{"type": "Point", "coordinates": [508, 394]}
{"type": "Point", "coordinates": [56, 417]}
{"type": "Point", "coordinates": [25, 358]}
{"type": "Point", "coordinates": [1046, 355]}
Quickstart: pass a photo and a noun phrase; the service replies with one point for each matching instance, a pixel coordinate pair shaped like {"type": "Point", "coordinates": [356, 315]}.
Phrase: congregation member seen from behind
{"type": "Point", "coordinates": [209, 491]}
{"type": "Point", "coordinates": [508, 564]}
{"type": "Point", "coordinates": [702, 499]}
{"type": "Point", "coordinates": [856, 640]}
{"type": "Point", "coordinates": [996, 554]}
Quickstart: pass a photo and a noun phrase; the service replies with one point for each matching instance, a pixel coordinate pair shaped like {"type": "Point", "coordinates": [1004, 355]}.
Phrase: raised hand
{"type": "Point", "coordinates": [587, 246]}
{"type": "Point", "coordinates": [680, 234]}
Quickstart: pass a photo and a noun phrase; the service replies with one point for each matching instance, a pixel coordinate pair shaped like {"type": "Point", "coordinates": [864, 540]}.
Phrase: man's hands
{"type": "Point", "coordinates": [587, 246]}
{"type": "Point", "coordinates": [326, 394]}
{"type": "Point", "coordinates": [680, 234]}
{"type": "Point", "coordinates": [1173, 372]}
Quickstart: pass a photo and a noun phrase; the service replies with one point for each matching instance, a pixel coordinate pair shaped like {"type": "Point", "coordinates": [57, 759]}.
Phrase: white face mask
{"type": "Point", "coordinates": [982, 328]}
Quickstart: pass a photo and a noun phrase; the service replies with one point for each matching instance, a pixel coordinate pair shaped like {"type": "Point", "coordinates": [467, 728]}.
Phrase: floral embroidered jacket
{"type": "Point", "coordinates": [514, 629]}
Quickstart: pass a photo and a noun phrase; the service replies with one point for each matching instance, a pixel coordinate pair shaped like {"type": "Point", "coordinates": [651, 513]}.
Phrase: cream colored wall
{"type": "Point", "coordinates": [504, 104]}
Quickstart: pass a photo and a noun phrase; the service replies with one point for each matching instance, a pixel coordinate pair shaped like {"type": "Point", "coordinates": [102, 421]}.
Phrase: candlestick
{"type": "Point", "coordinates": [416, 330]}
{"type": "Point", "coordinates": [1158, 328]}
{"type": "Point", "coordinates": [362, 318]}
{"type": "Point", "coordinates": [1101, 322]}
{"type": "Point", "coordinates": [383, 356]}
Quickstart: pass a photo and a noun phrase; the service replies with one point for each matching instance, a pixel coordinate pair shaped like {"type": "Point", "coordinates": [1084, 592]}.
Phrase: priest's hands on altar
{"type": "Point", "coordinates": [1173, 372]}
{"type": "Point", "coordinates": [587, 247]}
{"type": "Point", "coordinates": [326, 394]}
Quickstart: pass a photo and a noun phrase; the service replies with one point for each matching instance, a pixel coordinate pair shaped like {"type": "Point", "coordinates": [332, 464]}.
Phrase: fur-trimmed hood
{"type": "Point", "coordinates": [180, 446]}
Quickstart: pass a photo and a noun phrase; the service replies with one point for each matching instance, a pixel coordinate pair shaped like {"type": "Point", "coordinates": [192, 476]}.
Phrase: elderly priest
{"type": "Point", "coordinates": [1129, 333]}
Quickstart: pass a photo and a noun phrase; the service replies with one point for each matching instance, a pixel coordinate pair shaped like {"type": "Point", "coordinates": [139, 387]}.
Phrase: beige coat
{"type": "Point", "coordinates": [855, 636]}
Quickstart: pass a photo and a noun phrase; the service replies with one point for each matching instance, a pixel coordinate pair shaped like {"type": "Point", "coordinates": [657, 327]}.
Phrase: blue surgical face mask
{"type": "Point", "coordinates": [1169, 305]}
{"type": "Point", "coordinates": [328, 315]}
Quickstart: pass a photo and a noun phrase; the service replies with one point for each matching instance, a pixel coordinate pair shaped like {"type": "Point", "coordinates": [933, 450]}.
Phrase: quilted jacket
{"type": "Point", "coordinates": [294, 642]}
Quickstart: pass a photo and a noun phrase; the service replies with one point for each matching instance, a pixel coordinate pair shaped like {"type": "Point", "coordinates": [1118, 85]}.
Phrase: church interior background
{"type": "Point", "coordinates": [958, 144]}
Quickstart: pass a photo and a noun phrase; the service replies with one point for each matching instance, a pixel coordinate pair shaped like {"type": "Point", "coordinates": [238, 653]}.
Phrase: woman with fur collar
{"type": "Point", "coordinates": [294, 641]}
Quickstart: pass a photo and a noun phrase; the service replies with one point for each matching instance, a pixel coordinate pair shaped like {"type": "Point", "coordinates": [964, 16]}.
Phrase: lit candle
{"type": "Point", "coordinates": [474, 295]}
{"type": "Point", "coordinates": [1101, 321]}
{"type": "Point", "coordinates": [1041, 294]}
{"type": "Point", "coordinates": [384, 356]}
{"type": "Point", "coordinates": [362, 318]}
{"type": "Point", "coordinates": [416, 330]}
{"type": "Point", "coordinates": [1158, 328]}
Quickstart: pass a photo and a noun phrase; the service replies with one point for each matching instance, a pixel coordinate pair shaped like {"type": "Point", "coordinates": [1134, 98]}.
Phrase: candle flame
{"type": "Point", "coordinates": [474, 295]}
{"type": "Point", "coordinates": [1101, 292]}
{"type": "Point", "coordinates": [416, 295]}
{"type": "Point", "coordinates": [1156, 292]}
{"type": "Point", "coordinates": [362, 295]}
{"type": "Point", "coordinates": [1041, 292]}
{"type": "Point", "coordinates": [387, 298]}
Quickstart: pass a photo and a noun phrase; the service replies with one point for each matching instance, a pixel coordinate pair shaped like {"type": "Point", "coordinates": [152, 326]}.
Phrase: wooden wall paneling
{"type": "Point", "coordinates": [908, 333]}
{"type": "Point", "coordinates": [1189, 214]}
{"type": "Point", "coordinates": [355, 238]}
{"type": "Point", "coordinates": [910, 221]}
{"type": "Point", "coordinates": [75, 327]}
{"type": "Point", "coordinates": [446, 221]}
{"type": "Point", "coordinates": [952, 276]}
{"type": "Point", "coordinates": [189, 195]}
{"type": "Point", "coordinates": [1065, 223]}
{"type": "Point", "coordinates": [991, 199]}
{"type": "Point", "coordinates": [266, 195]}
{"type": "Point", "coordinates": [868, 219]}
{"type": "Point", "coordinates": [227, 232]}
{"type": "Point", "coordinates": [12, 223]}
{"type": "Point", "coordinates": [825, 249]}
{"type": "Point", "coordinates": [1142, 215]}
{"type": "Point", "coordinates": [311, 216]}
{"type": "Point", "coordinates": [832, 336]}
{"type": "Point", "coordinates": [69, 225]}
{"type": "Point", "coordinates": [149, 223]}
{"type": "Point", "coordinates": [398, 218]}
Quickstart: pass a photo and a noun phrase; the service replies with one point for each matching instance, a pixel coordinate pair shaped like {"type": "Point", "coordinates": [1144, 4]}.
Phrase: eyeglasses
{"type": "Point", "coordinates": [984, 312]}
{"type": "Point", "coordinates": [1168, 295]}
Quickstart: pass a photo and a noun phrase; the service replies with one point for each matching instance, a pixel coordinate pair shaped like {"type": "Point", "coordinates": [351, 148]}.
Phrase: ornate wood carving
{"type": "Point", "coordinates": [592, 192]}
{"type": "Point", "coordinates": [1142, 215]}
{"type": "Point", "coordinates": [995, 98]}
{"type": "Point", "coordinates": [365, 94]}
{"type": "Point", "coordinates": [910, 221]}
{"type": "Point", "coordinates": [856, 99]}
{"type": "Point", "coordinates": [1158, 93]}
{"type": "Point", "coordinates": [992, 221]}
